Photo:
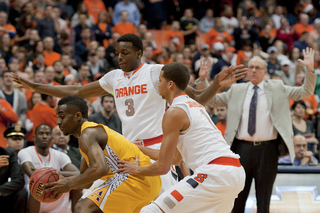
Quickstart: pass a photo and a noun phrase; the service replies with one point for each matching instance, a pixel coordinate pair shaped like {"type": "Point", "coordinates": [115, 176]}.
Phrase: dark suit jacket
{"type": "Point", "coordinates": [14, 171]}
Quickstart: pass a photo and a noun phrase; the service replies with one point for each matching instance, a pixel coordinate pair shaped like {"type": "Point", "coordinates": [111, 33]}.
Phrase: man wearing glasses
{"type": "Point", "coordinates": [259, 125]}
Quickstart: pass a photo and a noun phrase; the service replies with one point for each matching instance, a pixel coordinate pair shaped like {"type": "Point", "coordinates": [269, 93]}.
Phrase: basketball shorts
{"type": "Point", "coordinates": [212, 188]}
{"type": "Point", "coordinates": [124, 193]}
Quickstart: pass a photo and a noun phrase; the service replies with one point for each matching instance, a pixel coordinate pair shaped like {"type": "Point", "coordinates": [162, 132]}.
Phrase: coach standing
{"type": "Point", "coordinates": [259, 125]}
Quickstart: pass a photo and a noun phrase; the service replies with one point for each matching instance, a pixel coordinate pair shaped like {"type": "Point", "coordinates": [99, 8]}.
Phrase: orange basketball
{"type": "Point", "coordinates": [40, 177]}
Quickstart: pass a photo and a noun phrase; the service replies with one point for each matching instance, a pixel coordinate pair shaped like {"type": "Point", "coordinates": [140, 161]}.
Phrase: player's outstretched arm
{"type": "Point", "coordinates": [88, 143]}
{"type": "Point", "coordinates": [174, 120]}
{"type": "Point", "coordinates": [224, 78]}
{"type": "Point", "coordinates": [86, 91]}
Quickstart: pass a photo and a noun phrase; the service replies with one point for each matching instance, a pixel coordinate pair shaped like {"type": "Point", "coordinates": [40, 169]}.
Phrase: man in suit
{"type": "Point", "coordinates": [13, 198]}
{"type": "Point", "coordinates": [259, 125]}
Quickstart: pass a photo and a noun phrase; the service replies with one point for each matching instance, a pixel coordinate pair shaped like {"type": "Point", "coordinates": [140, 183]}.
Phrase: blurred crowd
{"type": "Point", "coordinates": [73, 43]}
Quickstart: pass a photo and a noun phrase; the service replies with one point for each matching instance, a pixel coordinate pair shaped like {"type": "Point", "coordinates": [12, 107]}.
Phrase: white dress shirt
{"type": "Point", "coordinates": [265, 130]}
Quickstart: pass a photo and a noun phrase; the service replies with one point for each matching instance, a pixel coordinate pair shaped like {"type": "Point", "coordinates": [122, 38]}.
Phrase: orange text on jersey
{"type": "Point", "coordinates": [133, 90]}
{"type": "Point", "coordinates": [193, 104]}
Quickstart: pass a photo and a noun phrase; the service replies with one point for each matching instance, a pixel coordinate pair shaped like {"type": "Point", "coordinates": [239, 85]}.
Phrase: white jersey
{"type": "Point", "coordinates": [56, 160]}
{"type": "Point", "coordinates": [139, 105]}
{"type": "Point", "coordinates": [202, 142]}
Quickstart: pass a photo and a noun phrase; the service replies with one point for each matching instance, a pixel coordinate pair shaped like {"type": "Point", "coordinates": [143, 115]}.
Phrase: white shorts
{"type": "Point", "coordinates": [212, 188]}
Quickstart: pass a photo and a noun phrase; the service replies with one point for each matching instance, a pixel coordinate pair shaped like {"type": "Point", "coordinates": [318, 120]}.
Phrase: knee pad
{"type": "Point", "coordinates": [151, 208]}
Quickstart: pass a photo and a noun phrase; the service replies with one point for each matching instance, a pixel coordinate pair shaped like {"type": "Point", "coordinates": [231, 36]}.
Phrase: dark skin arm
{"type": "Point", "coordinates": [90, 142]}
{"type": "Point", "coordinates": [224, 78]}
{"type": "Point", "coordinates": [70, 170]}
{"type": "Point", "coordinates": [85, 91]}
{"type": "Point", "coordinates": [174, 121]}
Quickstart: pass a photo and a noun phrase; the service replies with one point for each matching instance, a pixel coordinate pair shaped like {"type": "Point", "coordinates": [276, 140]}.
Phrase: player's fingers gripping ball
{"type": "Point", "coordinates": [40, 177]}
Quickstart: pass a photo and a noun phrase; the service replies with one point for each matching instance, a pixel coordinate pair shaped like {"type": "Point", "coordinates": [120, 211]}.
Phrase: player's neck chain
{"type": "Point", "coordinates": [45, 164]}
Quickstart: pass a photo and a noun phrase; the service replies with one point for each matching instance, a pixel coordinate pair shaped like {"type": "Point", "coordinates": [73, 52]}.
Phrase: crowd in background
{"type": "Point", "coordinates": [52, 42]}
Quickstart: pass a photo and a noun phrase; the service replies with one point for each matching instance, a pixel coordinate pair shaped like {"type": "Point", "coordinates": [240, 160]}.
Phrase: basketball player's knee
{"type": "Point", "coordinates": [151, 208]}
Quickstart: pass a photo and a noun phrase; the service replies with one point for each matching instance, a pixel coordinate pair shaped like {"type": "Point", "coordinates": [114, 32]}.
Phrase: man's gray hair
{"type": "Point", "coordinates": [254, 58]}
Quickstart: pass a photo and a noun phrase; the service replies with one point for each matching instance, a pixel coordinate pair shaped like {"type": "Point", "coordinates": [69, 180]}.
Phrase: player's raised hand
{"type": "Point", "coordinates": [204, 69]}
{"type": "Point", "coordinates": [308, 58]}
{"type": "Point", "coordinates": [59, 187]}
{"type": "Point", "coordinates": [231, 75]}
{"type": "Point", "coordinates": [132, 168]}
{"type": "Point", "coordinates": [28, 85]}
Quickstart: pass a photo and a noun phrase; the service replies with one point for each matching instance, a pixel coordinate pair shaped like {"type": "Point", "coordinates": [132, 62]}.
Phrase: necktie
{"type": "Point", "coordinates": [252, 112]}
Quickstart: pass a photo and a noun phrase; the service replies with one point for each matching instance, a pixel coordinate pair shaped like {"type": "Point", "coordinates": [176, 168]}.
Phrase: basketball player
{"type": "Point", "coordinates": [218, 175]}
{"type": "Point", "coordinates": [102, 147]}
{"type": "Point", "coordinates": [39, 156]}
{"type": "Point", "coordinates": [134, 86]}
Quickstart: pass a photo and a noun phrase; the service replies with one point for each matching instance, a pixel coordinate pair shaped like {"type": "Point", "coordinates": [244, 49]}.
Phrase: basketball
{"type": "Point", "coordinates": [40, 177]}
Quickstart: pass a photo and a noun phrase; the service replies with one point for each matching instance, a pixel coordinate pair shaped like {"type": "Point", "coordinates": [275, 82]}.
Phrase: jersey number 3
{"type": "Point", "coordinates": [129, 104]}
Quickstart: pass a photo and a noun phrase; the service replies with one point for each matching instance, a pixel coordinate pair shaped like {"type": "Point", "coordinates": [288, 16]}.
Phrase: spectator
{"type": "Point", "coordinates": [82, 8]}
{"type": "Point", "coordinates": [49, 55]}
{"type": "Point", "coordinates": [35, 98]}
{"type": "Point", "coordinates": [218, 34]}
{"type": "Point", "coordinates": [7, 116]}
{"type": "Point", "coordinates": [68, 50]}
{"type": "Point", "coordinates": [285, 73]}
{"type": "Point", "coordinates": [84, 76]}
{"type": "Point", "coordinates": [50, 76]}
{"type": "Point", "coordinates": [253, 18]}
{"type": "Point", "coordinates": [174, 35]}
{"type": "Point", "coordinates": [67, 68]}
{"type": "Point", "coordinates": [294, 55]}
{"type": "Point", "coordinates": [242, 9]}
{"type": "Point", "coordinates": [316, 32]}
{"type": "Point", "coordinates": [277, 16]}
{"type": "Point", "coordinates": [39, 77]}
{"type": "Point", "coordinates": [189, 26]}
{"type": "Point", "coordinates": [303, 157]}
{"type": "Point", "coordinates": [93, 64]}
{"type": "Point", "coordinates": [14, 96]}
{"type": "Point", "coordinates": [5, 27]}
{"type": "Point", "coordinates": [303, 25]}
{"type": "Point", "coordinates": [302, 42]}
{"type": "Point", "coordinates": [39, 64]}
{"type": "Point", "coordinates": [281, 50]}
{"type": "Point", "coordinates": [243, 32]}
{"type": "Point", "coordinates": [207, 22]}
{"type": "Point", "coordinates": [155, 13]}
{"type": "Point", "coordinates": [15, 12]}
{"type": "Point", "coordinates": [107, 116]}
{"type": "Point", "coordinates": [5, 45]}
{"type": "Point", "coordinates": [13, 64]}
{"type": "Point", "coordinates": [223, 62]}
{"type": "Point", "coordinates": [15, 138]}
{"type": "Point", "coordinates": [102, 61]}
{"type": "Point", "coordinates": [3, 66]}
{"type": "Point", "coordinates": [257, 139]}
{"type": "Point", "coordinates": [33, 37]}
{"type": "Point", "coordinates": [246, 52]}
{"type": "Point", "coordinates": [36, 157]}
{"type": "Point", "coordinates": [228, 19]}
{"type": "Point", "coordinates": [94, 7]}
{"type": "Point", "coordinates": [48, 26]}
{"type": "Point", "coordinates": [43, 113]}
{"type": "Point", "coordinates": [205, 55]}
{"type": "Point", "coordinates": [81, 49]}
{"type": "Point", "coordinates": [142, 30]}
{"type": "Point", "coordinates": [102, 30]}
{"type": "Point", "coordinates": [13, 197]}
{"type": "Point", "coordinates": [110, 51]}
{"type": "Point", "coordinates": [266, 39]}
{"type": "Point", "coordinates": [273, 63]}
{"type": "Point", "coordinates": [58, 72]}
{"type": "Point", "coordinates": [82, 24]}
{"type": "Point", "coordinates": [24, 30]}
{"type": "Point", "coordinates": [285, 33]}
{"type": "Point", "coordinates": [124, 26]}
{"type": "Point", "coordinates": [222, 116]}
{"type": "Point", "coordinates": [66, 10]}
{"type": "Point", "coordinates": [62, 24]}
{"type": "Point", "coordinates": [60, 143]}
{"type": "Point", "coordinates": [147, 55]}
{"type": "Point", "coordinates": [132, 10]}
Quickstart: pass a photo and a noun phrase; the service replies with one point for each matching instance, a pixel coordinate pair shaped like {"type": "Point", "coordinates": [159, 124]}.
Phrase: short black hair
{"type": "Point", "coordinates": [76, 101]}
{"type": "Point", "coordinates": [44, 96]}
{"type": "Point", "coordinates": [109, 95]}
{"type": "Point", "coordinates": [301, 102]}
{"type": "Point", "coordinates": [38, 127]}
{"type": "Point", "coordinates": [134, 39]}
{"type": "Point", "coordinates": [178, 73]}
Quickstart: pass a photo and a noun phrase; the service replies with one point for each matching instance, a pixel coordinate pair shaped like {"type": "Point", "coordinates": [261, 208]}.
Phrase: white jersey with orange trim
{"type": "Point", "coordinates": [139, 105]}
{"type": "Point", "coordinates": [202, 142]}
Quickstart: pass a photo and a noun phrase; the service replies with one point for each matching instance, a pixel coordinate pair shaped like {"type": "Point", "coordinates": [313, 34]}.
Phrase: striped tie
{"type": "Point", "coordinates": [253, 112]}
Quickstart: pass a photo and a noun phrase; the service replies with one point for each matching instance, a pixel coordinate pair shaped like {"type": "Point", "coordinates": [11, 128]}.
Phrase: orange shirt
{"type": "Point", "coordinates": [241, 55]}
{"type": "Point", "coordinates": [94, 8]}
{"type": "Point", "coordinates": [43, 114]}
{"type": "Point", "coordinates": [300, 28]}
{"type": "Point", "coordinates": [7, 115]}
{"type": "Point", "coordinates": [272, 33]}
{"type": "Point", "coordinates": [124, 28]}
{"type": "Point", "coordinates": [170, 60]}
{"type": "Point", "coordinates": [103, 28]}
{"type": "Point", "coordinates": [222, 127]}
{"type": "Point", "coordinates": [11, 29]}
{"type": "Point", "coordinates": [174, 34]}
{"type": "Point", "coordinates": [50, 58]}
{"type": "Point", "coordinates": [66, 72]}
{"type": "Point", "coordinates": [311, 102]}
{"type": "Point", "coordinates": [214, 36]}
{"type": "Point", "coordinates": [28, 94]}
